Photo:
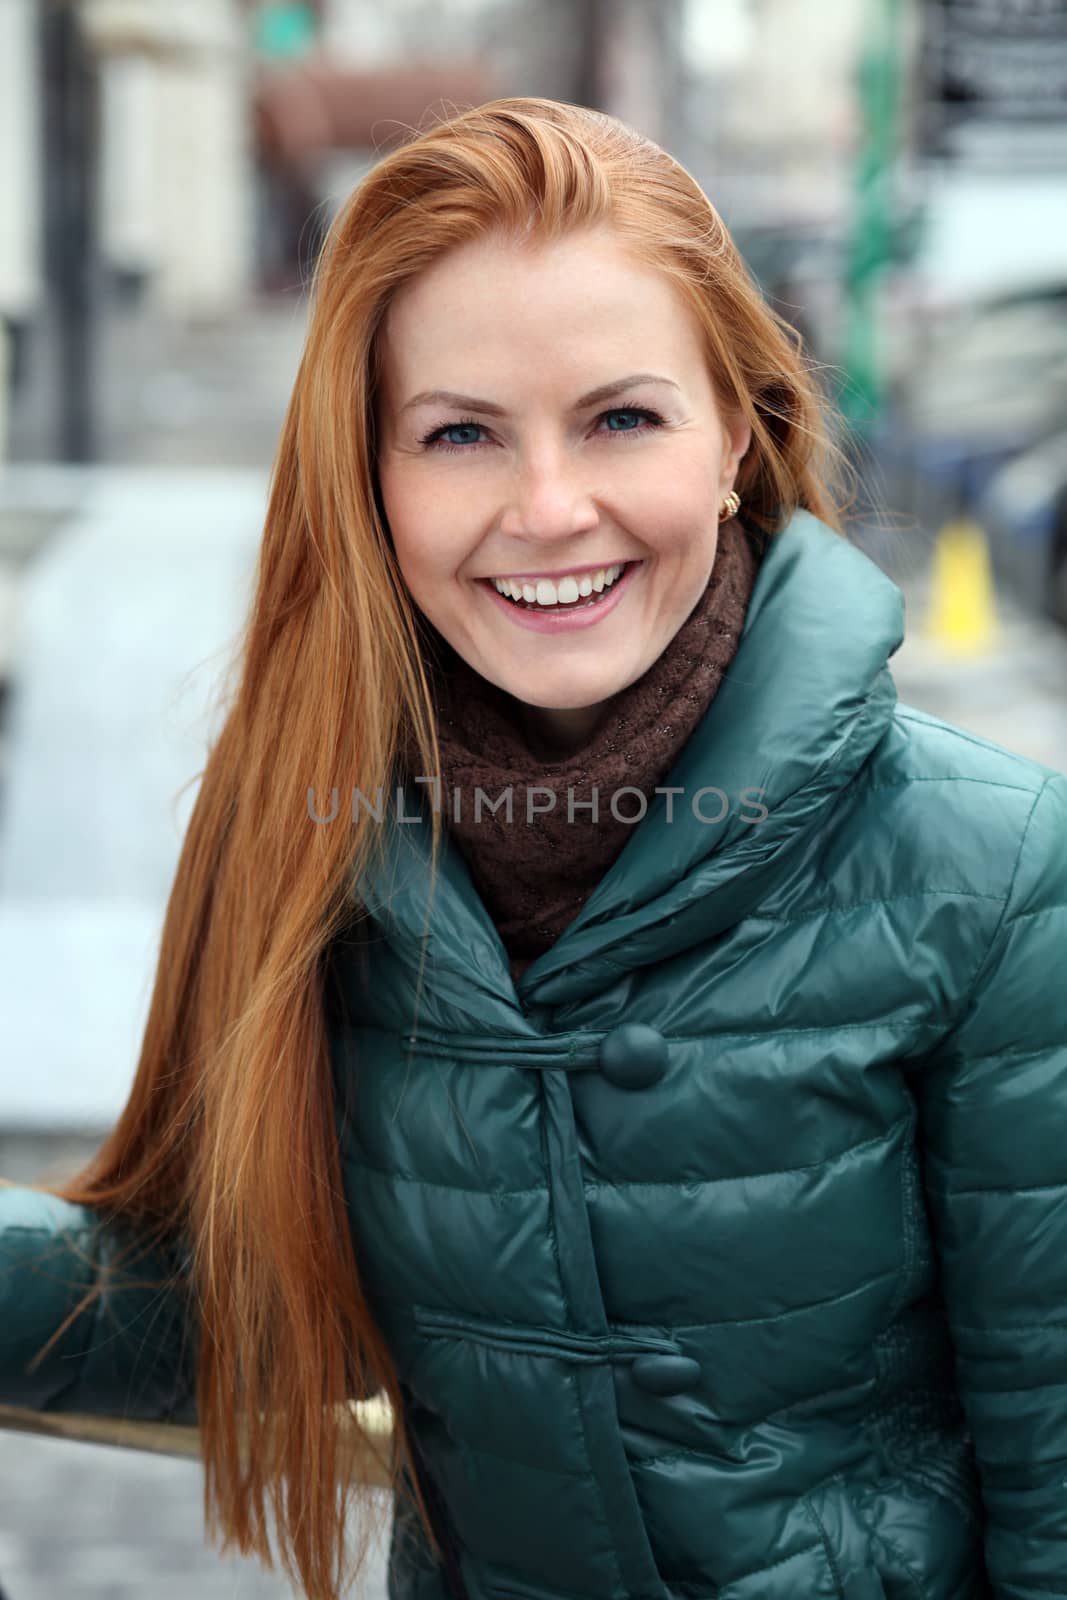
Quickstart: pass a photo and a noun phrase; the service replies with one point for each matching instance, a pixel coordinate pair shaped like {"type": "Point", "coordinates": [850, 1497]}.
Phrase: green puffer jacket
{"type": "Point", "coordinates": [726, 1253]}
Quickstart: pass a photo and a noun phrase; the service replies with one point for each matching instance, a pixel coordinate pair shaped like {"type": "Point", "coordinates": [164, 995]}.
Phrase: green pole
{"type": "Point", "coordinates": [871, 236]}
{"type": "Point", "coordinates": [285, 31]}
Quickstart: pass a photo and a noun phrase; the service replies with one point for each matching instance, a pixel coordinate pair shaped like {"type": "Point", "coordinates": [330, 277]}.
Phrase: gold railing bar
{"type": "Point", "coordinates": [366, 1438]}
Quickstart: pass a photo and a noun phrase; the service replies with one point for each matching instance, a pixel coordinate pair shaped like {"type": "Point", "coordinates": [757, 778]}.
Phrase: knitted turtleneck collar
{"type": "Point", "coordinates": [534, 876]}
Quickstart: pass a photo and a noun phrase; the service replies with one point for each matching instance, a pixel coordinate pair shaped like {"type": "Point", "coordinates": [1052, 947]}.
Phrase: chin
{"type": "Point", "coordinates": [566, 699]}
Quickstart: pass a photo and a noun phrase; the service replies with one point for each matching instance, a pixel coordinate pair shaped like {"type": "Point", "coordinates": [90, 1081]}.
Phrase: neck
{"type": "Point", "coordinates": [552, 735]}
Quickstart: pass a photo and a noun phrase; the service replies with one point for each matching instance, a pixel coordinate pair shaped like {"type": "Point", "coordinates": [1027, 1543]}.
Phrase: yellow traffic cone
{"type": "Point", "coordinates": [961, 612]}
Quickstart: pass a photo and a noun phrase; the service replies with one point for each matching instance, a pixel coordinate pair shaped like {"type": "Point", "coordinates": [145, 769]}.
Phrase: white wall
{"type": "Point", "coordinates": [20, 160]}
{"type": "Point", "coordinates": [177, 191]}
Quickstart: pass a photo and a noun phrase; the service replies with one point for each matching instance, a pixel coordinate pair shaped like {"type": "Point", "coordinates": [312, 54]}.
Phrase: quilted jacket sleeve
{"type": "Point", "coordinates": [993, 1108]}
{"type": "Point", "coordinates": [130, 1354]}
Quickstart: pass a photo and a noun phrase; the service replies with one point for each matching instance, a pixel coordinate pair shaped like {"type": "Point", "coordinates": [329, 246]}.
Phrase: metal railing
{"type": "Point", "coordinates": [367, 1437]}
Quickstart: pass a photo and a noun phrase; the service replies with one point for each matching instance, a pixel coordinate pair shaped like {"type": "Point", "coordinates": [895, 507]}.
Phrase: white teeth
{"type": "Point", "coordinates": [569, 589]}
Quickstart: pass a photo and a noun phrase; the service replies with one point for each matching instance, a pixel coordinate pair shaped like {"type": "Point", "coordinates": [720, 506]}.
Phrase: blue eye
{"type": "Point", "coordinates": [434, 440]}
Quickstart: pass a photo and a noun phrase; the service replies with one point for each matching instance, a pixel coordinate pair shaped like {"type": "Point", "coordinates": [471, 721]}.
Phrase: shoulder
{"type": "Point", "coordinates": [963, 845]}
{"type": "Point", "coordinates": [920, 746]}
{"type": "Point", "coordinates": [961, 802]}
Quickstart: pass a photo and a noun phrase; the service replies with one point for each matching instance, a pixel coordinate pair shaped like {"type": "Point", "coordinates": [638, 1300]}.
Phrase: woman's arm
{"type": "Point", "coordinates": [993, 1108]}
{"type": "Point", "coordinates": [131, 1353]}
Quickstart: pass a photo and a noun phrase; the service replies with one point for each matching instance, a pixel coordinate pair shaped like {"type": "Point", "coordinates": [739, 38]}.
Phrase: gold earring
{"type": "Point", "coordinates": [730, 506]}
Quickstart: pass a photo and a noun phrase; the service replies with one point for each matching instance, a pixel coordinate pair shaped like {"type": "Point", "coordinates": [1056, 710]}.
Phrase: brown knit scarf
{"type": "Point", "coordinates": [534, 876]}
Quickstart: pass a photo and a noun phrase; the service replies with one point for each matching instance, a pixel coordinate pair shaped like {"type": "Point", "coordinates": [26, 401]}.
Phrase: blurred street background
{"type": "Point", "coordinates": [895, 174]}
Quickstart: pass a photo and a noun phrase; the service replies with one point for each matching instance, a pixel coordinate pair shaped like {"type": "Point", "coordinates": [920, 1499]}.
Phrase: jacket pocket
{"type": "Point", "coordinates": [556, 1342]}
{"type": "Point", "coordinates": [925, 1545]}
{"type": "Point", "coordinates": [860, 1561]}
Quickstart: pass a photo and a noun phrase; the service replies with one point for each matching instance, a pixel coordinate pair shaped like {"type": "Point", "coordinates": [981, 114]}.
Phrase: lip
{"type": "Point", "coordinates": [564, 621]}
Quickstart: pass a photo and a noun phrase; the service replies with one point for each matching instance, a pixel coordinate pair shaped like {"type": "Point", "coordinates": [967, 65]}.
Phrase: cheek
{"type": "Point", "coordinates": [433, 541]}
{"type": "Point", "coordinates": [414, 558]}
{"type": "Point", "coordinates": [411, 529]}
{"type": "Point", "coordinates": [679, 502]}
{"type": "Point", "coordinates": [428, 567]}
{"type": "Point", "coordinates": [679, 534]}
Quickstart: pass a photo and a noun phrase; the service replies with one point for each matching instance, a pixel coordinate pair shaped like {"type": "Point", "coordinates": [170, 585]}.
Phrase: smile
{"type": "Point", "coordinates": [564, 616]}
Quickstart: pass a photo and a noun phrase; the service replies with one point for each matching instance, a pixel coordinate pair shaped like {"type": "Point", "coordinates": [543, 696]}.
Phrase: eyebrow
{"type": "Point", "coordinates": [470, 403]}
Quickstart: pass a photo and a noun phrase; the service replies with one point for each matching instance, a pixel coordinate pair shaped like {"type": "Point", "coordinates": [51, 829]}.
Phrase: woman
{"type": "Point", "coordinates": [688, 1173]}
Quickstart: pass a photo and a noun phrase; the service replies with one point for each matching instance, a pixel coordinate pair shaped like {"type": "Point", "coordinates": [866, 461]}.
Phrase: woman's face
{"type": "Point", "coordinates": [521, 472]}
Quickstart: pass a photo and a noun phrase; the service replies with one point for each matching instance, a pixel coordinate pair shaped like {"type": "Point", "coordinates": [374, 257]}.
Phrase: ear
{"type": "Point", "coordinates": [739, 437]}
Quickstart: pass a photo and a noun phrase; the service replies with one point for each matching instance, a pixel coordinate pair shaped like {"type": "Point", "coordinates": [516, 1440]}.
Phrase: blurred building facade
{"type": "Point", "coordinates": [175, 161]}
{"type": "Point", "coordinates": [21, 273]}
{"type": "Point", "coordinates": [182, 161]}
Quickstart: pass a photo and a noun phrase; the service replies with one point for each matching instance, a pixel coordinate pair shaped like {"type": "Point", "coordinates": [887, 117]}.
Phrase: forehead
{"type": "Point", "coordinates": [560, 306]}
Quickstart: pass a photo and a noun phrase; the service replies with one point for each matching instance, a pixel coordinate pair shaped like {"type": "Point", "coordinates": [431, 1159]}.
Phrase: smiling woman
{"type": "Point", "coordinates": [683, 1160]}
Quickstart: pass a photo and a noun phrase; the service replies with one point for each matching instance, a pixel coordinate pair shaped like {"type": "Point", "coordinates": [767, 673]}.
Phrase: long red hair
{"type": "Point", "coordinates": [228, 1141]}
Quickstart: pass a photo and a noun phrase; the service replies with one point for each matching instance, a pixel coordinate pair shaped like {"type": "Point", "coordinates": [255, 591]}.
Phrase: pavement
{"type": "Point", "coordinates": [93, 1522]}
{"type": "Point", "coordinates": [168, 391]}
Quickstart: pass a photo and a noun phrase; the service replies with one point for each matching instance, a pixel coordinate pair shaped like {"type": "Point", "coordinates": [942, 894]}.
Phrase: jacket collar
{"type": "Point", "coordinates": [806, 698]}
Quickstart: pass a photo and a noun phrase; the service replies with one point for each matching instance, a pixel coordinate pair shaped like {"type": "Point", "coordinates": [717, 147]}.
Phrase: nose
{"type": "Point", "coordinates": [548, 502]}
